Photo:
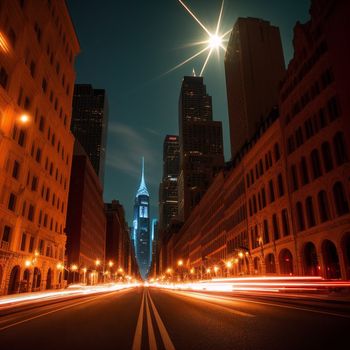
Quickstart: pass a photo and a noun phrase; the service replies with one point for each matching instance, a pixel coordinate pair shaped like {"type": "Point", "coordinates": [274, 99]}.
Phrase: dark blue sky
{"type": "Point", "coordinates": [126, 46]}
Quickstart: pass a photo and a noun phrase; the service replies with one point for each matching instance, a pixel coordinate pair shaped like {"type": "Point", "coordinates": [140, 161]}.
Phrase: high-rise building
{"type": "Point", "coordinates": [168, 189]}
{"type": "Point", "coordinates": [86, 220]}
{"type": "Point", "coordinates": [89, 124]}
{"type": "Point", "coordinates": [201, 144]}
{"type": "Point", "coordinates": [36, 145]}
{"type": "Point", "coordinates": [254, 66]}
{"type": "Point", "coordinates": [119, 251]}
{"type": "Point", "coordinates": [141, 226]}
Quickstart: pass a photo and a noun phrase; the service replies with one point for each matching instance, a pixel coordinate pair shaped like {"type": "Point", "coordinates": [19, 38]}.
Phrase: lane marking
{"type": "Point", "coordinates": [168, 344]}
{"type": "Point", "coordinates": [138, 332]}
{"type": "Point", "coordinates": [151, 338]}
{"type": "Point", "coordinates": [278, 305]}
{"type": "Point", "coordinates": [54, 311]}
{"type": "Point", "coordinates": [211, 301]}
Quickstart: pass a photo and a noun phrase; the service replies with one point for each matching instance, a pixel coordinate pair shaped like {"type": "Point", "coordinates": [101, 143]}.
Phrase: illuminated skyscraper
{"type": "Point", "coordinates": [201, 144]}
{"type": "Point", "coordinates": [141, 227]}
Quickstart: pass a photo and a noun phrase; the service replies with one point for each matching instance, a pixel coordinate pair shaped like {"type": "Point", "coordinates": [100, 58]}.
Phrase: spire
{"type": "Point", "coordinates": [142, 191]}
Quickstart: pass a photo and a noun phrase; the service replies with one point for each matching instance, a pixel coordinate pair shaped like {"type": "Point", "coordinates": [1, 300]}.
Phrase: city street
{"type": "Point", "coordinates": [153, 318]}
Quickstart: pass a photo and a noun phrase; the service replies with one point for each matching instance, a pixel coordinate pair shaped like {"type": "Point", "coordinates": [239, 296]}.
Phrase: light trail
{"type": "Point", "coordinates": [259, 284]}
{"type": "Point", "coordinates": [18, 299]}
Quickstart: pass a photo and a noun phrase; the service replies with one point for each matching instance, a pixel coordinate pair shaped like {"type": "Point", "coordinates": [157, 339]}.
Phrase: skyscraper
{"type": "Point", "coordinates": [141, 227]}
{"type": "Point", "coordinates": [89, 124]}
{"type": "Point", "coordinates": [254, 67]}
{"type": "Point", "coordinates": [201, 144]}
{"type": "Point", "coordinates": [168, 189]}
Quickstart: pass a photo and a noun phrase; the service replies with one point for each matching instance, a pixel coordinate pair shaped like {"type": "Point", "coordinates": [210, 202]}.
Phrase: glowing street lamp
{"type": "Point", "coordinates": [240, 254]}
{"type": "Point", "coordinates": [28, 263]}
{"type": "Point", "coordinates": [110, 263]}
{"type": "Point", "coordinates": [180, 262]}
{"type": "Point", "coordinates": [169, 270]}
{"type": "Point", "coordinates": [24, 118]}
{"type": "Point", "coordinates": [74, 268]}
{"type": "Point", "coordinates": [98, 262]}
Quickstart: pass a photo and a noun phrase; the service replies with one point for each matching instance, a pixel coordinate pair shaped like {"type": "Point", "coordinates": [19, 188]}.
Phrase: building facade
{"type": "Point", "coordinates": [141, 227]}
{"type": "Point", "coordinates": [89, 124]}
{"type": "Point", "coordinates": [254, 67]}
{"type": "Point", "coordinates": [282, 205]}
{"type": "Point", "coordinates": [86, 220]}
{"type": "Point", "coordinates": [201, 144]}
{"type": "Point", "coordinates": [120, 258]}
{"type": "Point", "coordinates": [38, 45]}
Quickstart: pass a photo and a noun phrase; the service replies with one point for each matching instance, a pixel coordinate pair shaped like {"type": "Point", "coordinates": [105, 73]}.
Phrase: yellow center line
{"type": "Point", "coordinates": [168, 344]}
{"type": "Point", "coordinates": [55, 310]}
{"type": "Point", "coordinates": [151, 338]}
{"type": "Point", "coordinates": [138, 332]}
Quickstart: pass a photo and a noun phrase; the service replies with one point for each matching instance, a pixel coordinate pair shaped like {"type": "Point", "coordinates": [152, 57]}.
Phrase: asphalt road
{"type": "Point", "coordinates": [148, 318]}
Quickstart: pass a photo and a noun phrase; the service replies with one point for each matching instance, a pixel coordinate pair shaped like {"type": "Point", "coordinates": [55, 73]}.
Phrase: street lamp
{"type": "Point", "coordinates": [74, 268]}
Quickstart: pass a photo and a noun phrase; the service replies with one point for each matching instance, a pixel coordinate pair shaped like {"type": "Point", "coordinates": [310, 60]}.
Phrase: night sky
{"type": "Point", "coordinates": [127, 46]}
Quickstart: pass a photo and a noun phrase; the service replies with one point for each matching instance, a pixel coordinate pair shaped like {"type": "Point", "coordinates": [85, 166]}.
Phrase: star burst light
{"type": "Point", "coordinates": [213, 42]}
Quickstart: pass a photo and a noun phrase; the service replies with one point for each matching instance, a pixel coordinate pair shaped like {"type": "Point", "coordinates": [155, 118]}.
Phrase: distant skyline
{"type": "Point", "coordinates": [126, 49]}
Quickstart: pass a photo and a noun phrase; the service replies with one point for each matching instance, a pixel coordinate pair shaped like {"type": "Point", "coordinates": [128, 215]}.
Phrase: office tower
{"type": "Point", "coordinates": [86, 220]}
{"type": "Point", "coordinates": [168, 189]}
{"type": "Point", "coordinates": [141, 226]}
{"type": "Point", "coordinates": [89, 124]}
{"type": "Point", "coordinates": [36, 145]}
{"type": "Point", "coordinates": [201, 144]}
{"type": "Point", "coordinates": [254, 67]}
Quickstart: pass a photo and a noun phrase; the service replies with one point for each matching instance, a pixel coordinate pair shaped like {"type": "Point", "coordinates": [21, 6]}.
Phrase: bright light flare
{"type": "Point", "coordinates": [4, 46]}
{"type": "Point", "coordinates": [24, 118]}
{"type": "Point", "coordinates": [214, 41]}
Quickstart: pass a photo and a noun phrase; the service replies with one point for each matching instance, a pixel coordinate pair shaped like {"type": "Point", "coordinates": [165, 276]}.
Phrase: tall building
{"type": "Point", "coordinates": [141, 226]}
{"type": "Point", "coordinates": [254, 67]}
{"type": "Point", "coordinates": [168, 189]}
{"type": "Point", "coordinates": [86, 220]}
{"type": "Point", "coordinates": [119, 250]}
{"type": "Point", "coordinates": [201, 144]}
{"type": "Point", "coordinates": [38, 44]}
{"type": "Point", "coordinates": [89, 124]}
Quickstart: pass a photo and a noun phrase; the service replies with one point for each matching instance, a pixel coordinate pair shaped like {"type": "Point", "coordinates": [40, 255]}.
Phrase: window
{"type": "Point", "coordinates": [37, 31]}
{"type": "Point", "coordinates": [316, 164]}
{"type": "Point", "coordinates": [290, 144]}
{"type": "Point", "coordinates": [34, 186]}
{"type": "Point", "coordinates": [21, 138]}
{"type": "Point", "coordinates": [41, 124]}
{"type": "Point", "coordinates": [12, 37]}
{"type": "Point", "coordinates": [12, 202]}
{"type": "Point", "coordinates": [266, 232]}
{"type": "Point", "coordinates": [299, 137]}
{"type": "Point", "coordinates": [38, 155]}
{"type": "Point", "coordinates": [263, 197]}
{"type": "Point", "coordinates": [276, 231]}
{"type": "Point", "coordinates": [272, 191]}
{"type": "Point", "coordinates": [23, 242]}
{"type": "Point", "coordinates": [261, 167]}
{"type": "Point", "coordinates": [41, 247]}
{"type": "Point", "coordinates": [31, 213]}
{"type": "Point", "coordinates": [6, 234]}
{"type": "Point", "coordinates": [15, 170]}
{"type": "Point", "coordinates": [309, 128]}
{"type": "Point", "coordinates": [327, 156]}
{"type": "Point", "coordinates": [3, 77]}
{"type": "Point", "coordinates": [280, 185]}
{"type": "Point", "coordinates": [333, 108]}
{"type": "Point", "coordinates": [285, 222]}
{"type": "Point", "coordinates": [322, 118]}
{"type": "Point", "coordinates": [341, 156]}
{"type": "Point", "coordinates": [44, 85]}
{"type": "Point", "coordinates": [323, 207]}
{"type": "Point", "coordinates": [300, 217]}
{"type": "Point", "coordinates": [31, 244]}
{"type": "Point", "coordinates": [277, 152]}
{"type": "Point", "coordinates": [295, 184]}
{"type": "Point", "coordinates": [341, 203]}
{"type": "Point", "coordinates": [254, 204]}
{"type": "Point", "coordinates": [304, 171]}
{"type": "Point", "coordinates": [310, 212]}
{"type": "Point", "coordinates": [32, 68]}
{"type": "Point", "coordinates": [27, 103]}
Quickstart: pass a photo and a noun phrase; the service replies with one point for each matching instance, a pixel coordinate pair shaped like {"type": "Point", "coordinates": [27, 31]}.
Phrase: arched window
{"type": "Point", "coordinates": [285, 223]}
{"type": "Point", "coordinates": [340, 148]}
{"type": "Point", "coordinates": [300, 216]}
{"type": "Point", "coordinates": [327, 156]}
{"type": "Point", "coordinates": [304, 172]}
{"type": "Point", "coordinates": [310, 212]}
{"type": "Point", "coordinates": [316, 164]}
{"type": "Point", "coordinates": [294, 178]}
{"type": "Point", "coordinates": [341, 203]}
{"type": "Point", "coordinates": [254, 204]}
